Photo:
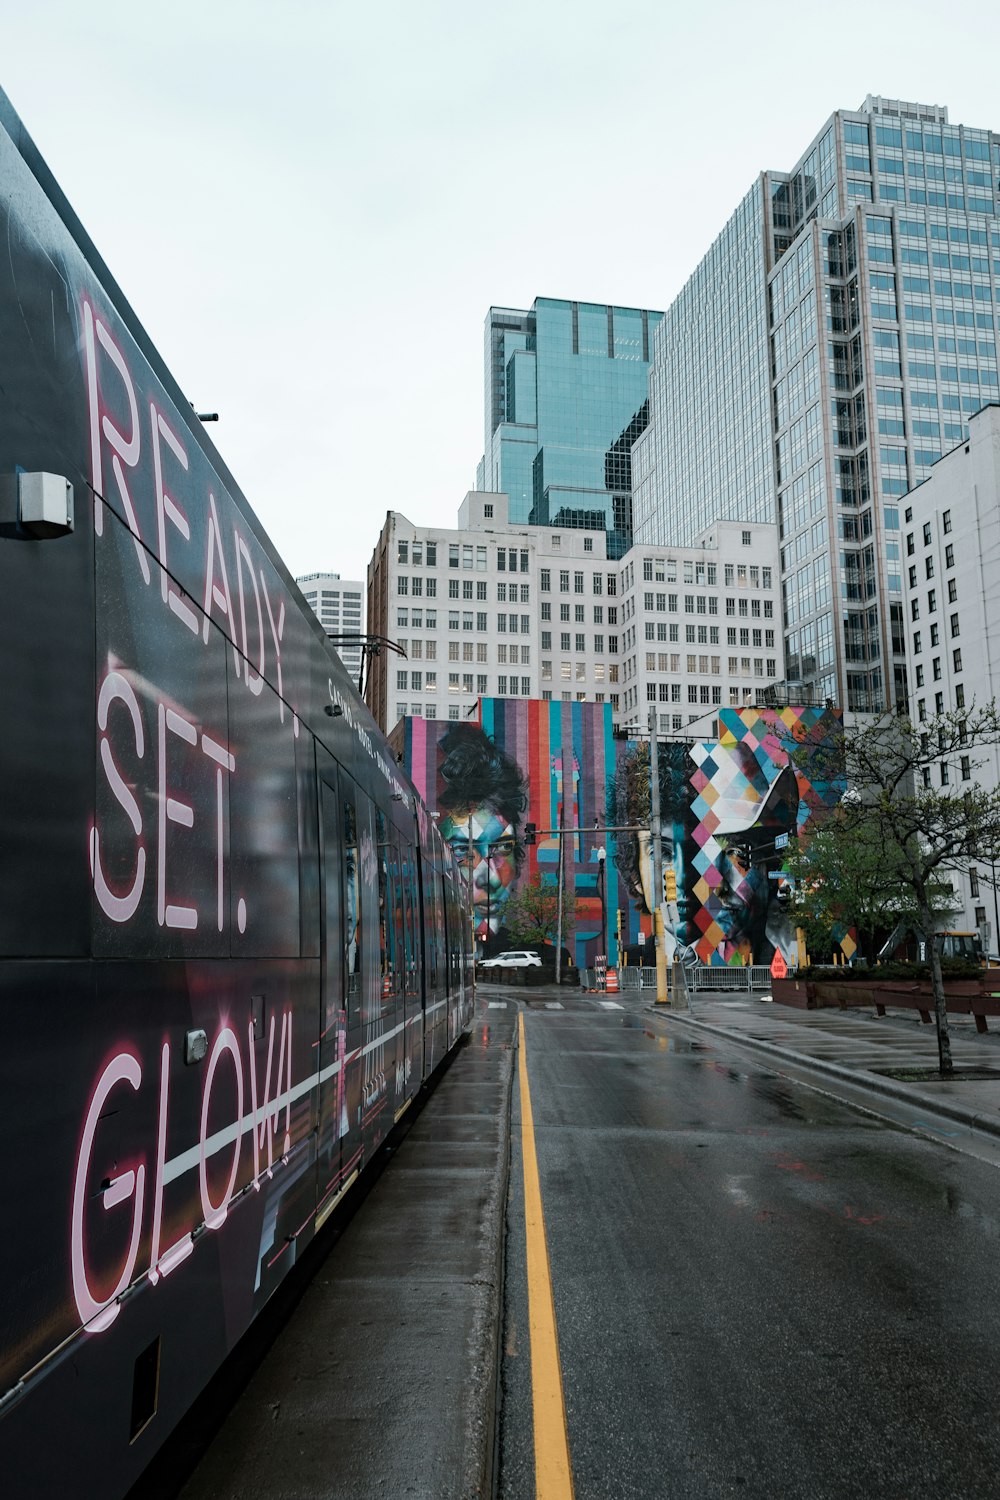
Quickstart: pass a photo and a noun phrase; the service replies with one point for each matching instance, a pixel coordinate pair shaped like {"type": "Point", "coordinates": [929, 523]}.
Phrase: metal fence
{"type": "Point", "coordinates": [632, 977]}
{"type": "Point", "coordinates": [743, 977]}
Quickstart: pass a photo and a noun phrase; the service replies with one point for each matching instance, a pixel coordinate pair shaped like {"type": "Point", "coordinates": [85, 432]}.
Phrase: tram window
{"type": "Point", "coordinates": [384, 915]}
{"type": "Point", "coordinates": [352, 910]}
{"type": "Point", "coordinates": [408, 921]}
{"type": "Point", "coordinates": [145, 1388]}
{"type": "Point", "coordinates": [396, 907]}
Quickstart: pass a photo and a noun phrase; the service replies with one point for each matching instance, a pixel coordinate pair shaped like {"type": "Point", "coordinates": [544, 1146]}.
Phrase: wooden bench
{"type": "Point", "coordinates": [963, 997]}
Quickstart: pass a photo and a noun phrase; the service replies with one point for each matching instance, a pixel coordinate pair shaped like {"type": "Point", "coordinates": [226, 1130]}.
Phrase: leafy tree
{"type": "Point", "coordinates": [847, 877]}
{"type": "Point", "coordinates": [531, 916]}
{"type": "Point", "coordinates": [912, 792]}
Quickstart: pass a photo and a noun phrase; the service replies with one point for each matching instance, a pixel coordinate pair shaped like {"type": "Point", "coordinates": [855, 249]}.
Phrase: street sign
{"type": "Point", "coordinates": [781, 842]}
{"type": "Point", "coordinates": [779, 969]}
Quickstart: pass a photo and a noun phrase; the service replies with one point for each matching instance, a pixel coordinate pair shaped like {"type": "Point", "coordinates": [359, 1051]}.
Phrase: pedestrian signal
{"type": "Point", "coordinates": [529, 833]}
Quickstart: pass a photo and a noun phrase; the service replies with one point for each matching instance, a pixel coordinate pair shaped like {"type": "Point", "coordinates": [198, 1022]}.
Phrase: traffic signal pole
{"type": "Point", "coordinates": [657, 839]}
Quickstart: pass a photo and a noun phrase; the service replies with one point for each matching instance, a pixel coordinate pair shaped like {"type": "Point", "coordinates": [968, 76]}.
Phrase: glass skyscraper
{"type": "Point", "coordinates": [831, 345]}
{"type": "Point", "coordinates": [565, 396]}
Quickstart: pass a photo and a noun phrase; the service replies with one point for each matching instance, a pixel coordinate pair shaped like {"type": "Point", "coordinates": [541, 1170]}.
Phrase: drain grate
{"type": "Point", "coordinates": [933, 1075]}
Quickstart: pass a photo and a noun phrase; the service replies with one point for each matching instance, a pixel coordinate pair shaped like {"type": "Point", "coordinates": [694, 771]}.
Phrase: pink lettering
{"type": "Point", "coordinates": [125, 449]}
{"type": "Point", "coordinates": [99, 1313]}
{"type": "Point", "coordinates": [167, 509]}
{"type": "Point", "coordinates": [215, 593]}
{"type": "Point", "coordinates": [255, 679]}
{"type": "Point", "coordinates": [215, 1214]}
{"type": "Point", "coordinates": [162, 1265]}
{"type": "Point", "coordinates": [118, 908]}
{"type": "Point", "coordinates": [265, 1117]}
{"type": "Point", "coordinates": [225, 761]}
{"type": "Point", "coordinates": [170, 809]}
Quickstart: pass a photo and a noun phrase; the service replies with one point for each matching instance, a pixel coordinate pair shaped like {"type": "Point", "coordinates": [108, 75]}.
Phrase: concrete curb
{"type": "Point", "coordinates": [483, 1395]}
{"type": "Point", "coordinates": [870, 1081]}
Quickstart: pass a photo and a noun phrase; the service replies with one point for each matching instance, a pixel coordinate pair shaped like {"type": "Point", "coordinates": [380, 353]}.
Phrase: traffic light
{"type": "Point", "coordinates": [529, 833]}
{"type": "Point", "coordinates": [670, 885]}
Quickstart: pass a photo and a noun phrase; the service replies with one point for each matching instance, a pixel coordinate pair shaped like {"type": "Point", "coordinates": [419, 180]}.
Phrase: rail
{"type": "Point", "coordinates": [717, 977]}
{"type": "Point", "coordinates": [742, 978]}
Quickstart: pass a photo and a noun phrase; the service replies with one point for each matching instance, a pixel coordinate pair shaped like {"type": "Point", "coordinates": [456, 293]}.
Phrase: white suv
{"type": "Point", "coordinates": [515, 958]}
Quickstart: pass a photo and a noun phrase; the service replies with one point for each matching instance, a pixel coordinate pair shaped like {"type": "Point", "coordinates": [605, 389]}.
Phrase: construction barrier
{"type": "Point", "coordinates": [716, 977]}
{"type": "Point", "coordinates": [611, 981]}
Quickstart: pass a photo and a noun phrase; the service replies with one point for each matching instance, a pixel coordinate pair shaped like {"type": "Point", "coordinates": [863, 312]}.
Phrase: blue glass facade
{"type": "Point", "coordinates": [867, 336]}
{"type": "Point", "coordinates": [566, 397]}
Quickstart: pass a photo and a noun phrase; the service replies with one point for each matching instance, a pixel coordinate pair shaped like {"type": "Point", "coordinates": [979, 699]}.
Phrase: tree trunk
{"type": "Point", "coordinates": [937, 988]}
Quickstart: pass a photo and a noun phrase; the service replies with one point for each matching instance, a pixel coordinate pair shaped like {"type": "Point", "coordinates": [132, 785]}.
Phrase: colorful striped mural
{"type": "Point", "coordinates": [564, 754]}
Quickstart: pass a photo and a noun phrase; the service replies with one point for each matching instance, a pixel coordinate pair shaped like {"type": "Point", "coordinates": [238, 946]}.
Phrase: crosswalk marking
{"type": "Point", "coordinates": [553, 1005]}
{"type": "Point", "coordinates": [498, 1005]}
{"type": "Point", "coordinates": [610, 1005]}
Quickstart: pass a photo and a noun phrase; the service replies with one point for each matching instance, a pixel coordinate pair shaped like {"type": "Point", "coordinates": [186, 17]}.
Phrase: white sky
{"type": "Point", "coordinates": [311, 206]}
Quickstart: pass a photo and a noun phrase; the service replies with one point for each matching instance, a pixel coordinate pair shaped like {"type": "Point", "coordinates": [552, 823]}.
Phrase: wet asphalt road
{"type": "Point", "coordinates": [759, 1291]}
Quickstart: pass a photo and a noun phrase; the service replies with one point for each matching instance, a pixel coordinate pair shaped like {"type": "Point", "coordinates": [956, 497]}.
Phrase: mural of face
{"type": "Point", "coordinates": [487, 845]}
{"type": "Point", "coordinates": [674, 914]}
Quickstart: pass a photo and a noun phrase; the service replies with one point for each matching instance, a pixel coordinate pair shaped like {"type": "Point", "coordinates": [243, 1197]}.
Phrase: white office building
{"type": "Point", "coordinates": [701, 625]}
{"type": "Point", "coordinates": [951, 556]}
{"type": "Point", "coordinates": [512, 610]}
{"type": "Point", "coordinates": [339, 605]}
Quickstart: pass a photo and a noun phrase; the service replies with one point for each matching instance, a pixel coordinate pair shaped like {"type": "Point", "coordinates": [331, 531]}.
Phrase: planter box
{"type": "Point", "coordinates": [797, 992]}
{"type": "Point", "coordinates": [830, 992]}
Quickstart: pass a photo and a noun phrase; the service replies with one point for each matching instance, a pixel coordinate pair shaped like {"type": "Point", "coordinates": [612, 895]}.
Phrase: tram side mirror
{"type": "Point", "coordinates": [45, 505]}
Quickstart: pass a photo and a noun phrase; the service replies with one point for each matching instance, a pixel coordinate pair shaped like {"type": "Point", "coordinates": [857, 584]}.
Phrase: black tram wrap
{"type": "Point", "coordinates": [232, 943]}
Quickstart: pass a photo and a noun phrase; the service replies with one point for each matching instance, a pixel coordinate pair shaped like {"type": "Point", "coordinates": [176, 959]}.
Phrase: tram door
{"type": "Point", "coordinates": [340, 1041]}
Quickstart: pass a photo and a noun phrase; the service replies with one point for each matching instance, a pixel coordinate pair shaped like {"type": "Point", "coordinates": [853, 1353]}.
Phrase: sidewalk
{"type": "Point", "coordinates": [383, 1380]}
{"type": "Point", "coordinates": [860, 1049]}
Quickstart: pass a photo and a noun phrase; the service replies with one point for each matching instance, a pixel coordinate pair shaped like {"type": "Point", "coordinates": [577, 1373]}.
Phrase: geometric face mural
{"type": "Point", "coordinates": [747, 797]}
{"type": "Point", "coordinates": [725, 807]}
{"type": "Point", "coordinates": [723, 804]}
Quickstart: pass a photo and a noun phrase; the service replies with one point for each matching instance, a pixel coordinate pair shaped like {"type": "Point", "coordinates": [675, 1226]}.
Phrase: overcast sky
{"type": "Point", "coordinates": [311, 206]}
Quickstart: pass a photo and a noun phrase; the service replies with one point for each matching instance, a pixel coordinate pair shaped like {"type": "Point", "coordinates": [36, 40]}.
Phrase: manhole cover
{"type": "Point", "coordinates": [933, 1075]}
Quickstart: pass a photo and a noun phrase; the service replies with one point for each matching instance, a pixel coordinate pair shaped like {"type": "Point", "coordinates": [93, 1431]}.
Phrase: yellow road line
{"type": "Point", "coordinates": [553, 1476]}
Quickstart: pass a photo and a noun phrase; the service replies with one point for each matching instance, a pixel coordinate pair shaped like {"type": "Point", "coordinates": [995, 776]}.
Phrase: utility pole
{"type": "Point", "coordinates": [602, 876]}
{"type": "Point", "coordinates": [559, 899]}
{"type": "Point", "coordinates": [654, 828]}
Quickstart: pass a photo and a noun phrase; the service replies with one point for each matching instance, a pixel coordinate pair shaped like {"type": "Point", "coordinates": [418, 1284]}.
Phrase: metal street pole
{"type": "Point", "coordinates": [559, 901]}
{"type": "Point", "coordinates": [654, 828]}
{"type": "Point", "coordinates": [602, 855]}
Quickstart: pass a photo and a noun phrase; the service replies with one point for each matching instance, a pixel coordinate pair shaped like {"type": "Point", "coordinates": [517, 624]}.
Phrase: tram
{"type": "Point", "coordinates": [232, 942]}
